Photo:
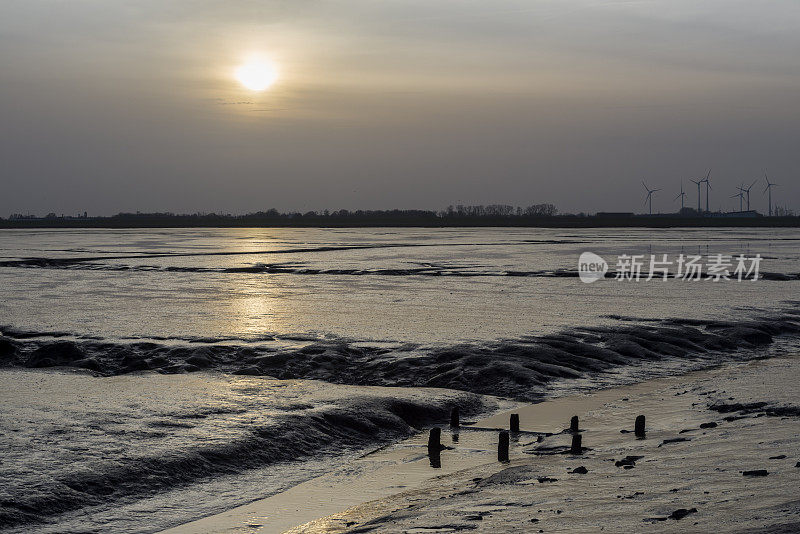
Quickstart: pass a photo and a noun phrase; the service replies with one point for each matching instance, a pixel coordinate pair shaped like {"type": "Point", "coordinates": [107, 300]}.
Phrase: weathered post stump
{"type": "Point", "coordinates": [573, 424]}
{"type": "Point", "coordinates": [639, 427]}
{"type": "Point", "coordinates": [435, 440]}
{"type": "Point", "coordinates": [502, 447]}
{"type": "Point", "coordinates": [454, 419]}
{"type": "Point", "coordinates": [576, 447]}
{"type": "Point", "coordinates": [514, 422]}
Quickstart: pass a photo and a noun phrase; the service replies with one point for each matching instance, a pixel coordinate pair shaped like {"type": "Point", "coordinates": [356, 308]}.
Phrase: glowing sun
{"type": "Point", "coordinates": [257, 75]}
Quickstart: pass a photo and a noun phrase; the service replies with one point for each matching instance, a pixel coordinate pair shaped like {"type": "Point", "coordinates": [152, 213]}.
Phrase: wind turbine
{"type": "Point", "coordinates": [769, 187]}
{"type": "Point", "coordinates": [708, 186]}
{"type": "Point", "coordinates": [746, 191]}
{"type": "Point", "coordinates": [682, 195]}
{"type": "Point", "coordinates": [698, 182]}
{"type": "Point", "coordinates": [649, 196]}
{"type": "Point", "coordinates": [740, 194]}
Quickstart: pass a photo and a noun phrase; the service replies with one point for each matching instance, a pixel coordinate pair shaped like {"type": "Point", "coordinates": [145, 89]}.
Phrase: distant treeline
{"type": "Point", "coordinates": [538, 215]}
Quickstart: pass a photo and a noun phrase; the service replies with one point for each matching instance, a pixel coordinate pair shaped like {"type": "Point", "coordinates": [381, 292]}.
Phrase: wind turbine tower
{"type": "Point", "coordinates": [682, 195]}
{"type": "Point", "coordinates": [708, 186]}
{"type": "Point", "coordinates": [769, 187]}
{"type": "Point", "coordinates": [740, 194]}
{"type": "Point", "coordinates": [746, 191]}
{"type": "Point", "coordinates": [649, 197]}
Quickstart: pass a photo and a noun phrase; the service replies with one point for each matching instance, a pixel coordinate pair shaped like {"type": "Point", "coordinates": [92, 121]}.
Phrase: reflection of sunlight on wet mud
{"type": "Point", "coordinates": [254, 307]}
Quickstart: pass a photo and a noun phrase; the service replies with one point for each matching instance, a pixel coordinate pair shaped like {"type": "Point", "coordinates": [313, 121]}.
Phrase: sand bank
{"type": "Point", "coordinates": [698, 470]}
{"type": "Point", "coordinates": [680, 465]}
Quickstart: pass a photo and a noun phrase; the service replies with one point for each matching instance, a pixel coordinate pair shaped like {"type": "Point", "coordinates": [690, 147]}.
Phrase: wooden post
{"type": "Point", "coordinates": [576, 444]}
{"type": "Point", "coordinates": [639, 427]}
{"type": "Point", "coordinates": [515, 422]}
{"type": "Point", "coordinates": [502, 447]}
{"type": "Point", "coordinates": [454, 422]}
{"type": "Point", "coordinates": [573, 424]}
{"type": "Point", "coordinates": [435, 440]}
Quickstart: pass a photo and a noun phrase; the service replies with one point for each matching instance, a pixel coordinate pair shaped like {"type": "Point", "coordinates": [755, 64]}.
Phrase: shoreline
{"type": "Point", "coordinates": [406, 219]}
{"type": "Point", "coordinates": [383, 505]}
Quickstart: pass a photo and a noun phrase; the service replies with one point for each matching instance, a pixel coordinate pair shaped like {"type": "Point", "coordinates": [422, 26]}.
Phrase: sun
{"type": "Point", "coordinates": [257, 75]}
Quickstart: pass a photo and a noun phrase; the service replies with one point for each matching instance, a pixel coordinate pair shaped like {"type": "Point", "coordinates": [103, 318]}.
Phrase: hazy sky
{"type": "Point", "coordinates": [111, 105]}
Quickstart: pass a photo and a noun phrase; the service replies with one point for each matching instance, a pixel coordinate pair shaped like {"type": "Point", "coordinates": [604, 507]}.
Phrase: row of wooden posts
{"type": "Point", "coordinates": [435, 446]}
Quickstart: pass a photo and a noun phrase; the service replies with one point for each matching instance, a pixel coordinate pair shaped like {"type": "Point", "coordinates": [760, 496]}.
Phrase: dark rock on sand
{"type": "Point", "coordinates": [546, 479]}
{"type": "Point", "coordinates": [53, 354]}
{"type": "Point", "coordinates": [778, 457]}
{"type": "Point", "coordinates": [628, 461]}
{"type": "Point", "coordinates": [751, 335]}
{"type": "Point", "coordinates": [580, 470]}
{"type": "Point", "coordinates": [708, 425]}
{"type": "Point", "coordinates": [159, 361]}
{"type": "Point", "coordinates": [680, 513]}
{"type": "Point", "coordinates": [760, 408]}
{"type": "Point", "coordinates": [783, 411]}
{"type": "Point", "coordinates": [677, 515]}
{"type": "Point", "coordinates": [8, 349]}
{"type": "Point", "coordinates": [200, 359]}
{"type": "Point", "coordinates": [755, 473]}
{"type": "Point", "coordinates": [137, 365]}
{"type": "Point", "coordinates": [725, 407]}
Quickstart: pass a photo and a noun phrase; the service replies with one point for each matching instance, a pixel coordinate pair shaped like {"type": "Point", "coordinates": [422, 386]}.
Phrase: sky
{"type": "Point", "coordinates": [111, 105]}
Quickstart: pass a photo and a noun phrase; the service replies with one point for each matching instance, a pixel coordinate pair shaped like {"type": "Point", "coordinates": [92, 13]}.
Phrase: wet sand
{"type": "Point", "coordinates": [398, 491]}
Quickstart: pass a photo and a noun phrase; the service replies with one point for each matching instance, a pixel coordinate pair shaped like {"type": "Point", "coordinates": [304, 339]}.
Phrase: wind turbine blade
{"type": "Point", "coordinates": [751, 185]}
{"type": "Point", "coordinates": [709, 174]}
